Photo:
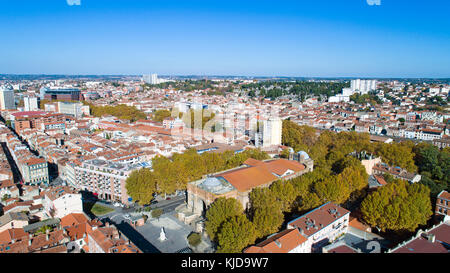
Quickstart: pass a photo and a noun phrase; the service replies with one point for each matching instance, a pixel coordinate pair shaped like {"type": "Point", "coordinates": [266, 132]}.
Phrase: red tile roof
{"type": "Point", "coordinates": [259, 173]}
{"type": "Point", "coordinates": [282, 242]}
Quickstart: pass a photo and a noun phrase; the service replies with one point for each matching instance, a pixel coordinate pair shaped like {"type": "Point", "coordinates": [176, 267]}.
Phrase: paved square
{"type": "Point", "coordinates": [176, 233]}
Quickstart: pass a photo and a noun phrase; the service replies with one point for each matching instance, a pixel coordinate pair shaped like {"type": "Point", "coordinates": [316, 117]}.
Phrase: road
{"type": "Point", "coordinates": [167, 206]}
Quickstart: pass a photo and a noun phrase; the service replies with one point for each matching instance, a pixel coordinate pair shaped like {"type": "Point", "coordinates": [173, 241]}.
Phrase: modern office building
{"type": "Point", "coordinates": [65, 94]}
{"type": "Point", "coordinates": [7, 98]}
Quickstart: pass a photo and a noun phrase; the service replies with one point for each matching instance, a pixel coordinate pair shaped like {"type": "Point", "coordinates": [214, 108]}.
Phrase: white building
{"type": "Point", "coordinates": [61, 201]}
{"type": "Point", "coordinates": [308, 233]}
{"type": "Point", "coordinates": [363, 86]}
{"type": "Point", "coordinates": [151, 79]}
{"type": "Point", "coordinates": [272, 132]}
{"type": "Point", "coordinates": [106, 179]}
{"type": "Point", "coordinates": [74, 109]}
{"type": "Point", "coordinates": [322, 225]}
{"type": "Point", "coordinates": [7, 98]}
{"type": "Point", "coordinates": [286, 241]}
{"type": "Point", "coordinates": [339, 98]}
{"type": "Point", "coordinates": [30, 104]}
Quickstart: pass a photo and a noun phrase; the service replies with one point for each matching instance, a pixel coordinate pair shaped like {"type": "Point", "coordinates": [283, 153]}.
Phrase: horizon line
{"type": "Point", "coordinates": [213, 75]}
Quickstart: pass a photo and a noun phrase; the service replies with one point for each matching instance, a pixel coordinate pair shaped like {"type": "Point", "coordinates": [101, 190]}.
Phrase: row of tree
{"type": "Point", "coordinates": [170, 175]}
{"type": "Point", "coordinates": [161, 115]}
{"type": "Point", "coordinates": [274, 89]}
{"type": "Point", "coordinates": [365, 98]}
{"type": "Point", "coordinates": [398, 206]}
{"type": "Point", "coordinates": [120, 111]}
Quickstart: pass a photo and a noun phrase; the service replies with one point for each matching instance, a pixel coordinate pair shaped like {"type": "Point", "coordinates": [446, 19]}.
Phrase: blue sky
{"type": "Point", "coordinates": [320, 38]}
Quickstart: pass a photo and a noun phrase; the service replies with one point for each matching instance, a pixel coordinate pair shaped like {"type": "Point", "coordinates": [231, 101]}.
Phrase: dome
{"type": "Point", "coordinates": [303, 153]}
{"type": "Point", "coordinates": [211, 182]}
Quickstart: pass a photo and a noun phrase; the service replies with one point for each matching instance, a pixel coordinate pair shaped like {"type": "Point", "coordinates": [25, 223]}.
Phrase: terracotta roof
{"type": "Point", "coordinates": [17, 204]}
{"type": "Point", "coordinates": [342, 249]}
{"type": "Point", "coordinates": [380, 179]}
{"type": "Point", "coordinates": [34, 161]}
{"type": "Point", "coordinates": [280, 166]}
{"type": "Point", "coordinates": [245, 179]}
{"type": "Point", "coordinates": [259, 173]}
{"type": "Point", "coordinates": [444, 195]}
{"type": "Point", "coordinates": [56, 249]}
{"type": "Point", "coordinates": [282, 242]}
{"type": "Point", "coordinates": [73, 219]}
{"type": "Point", "coordinates": [422, 245]}
{"type": "Point", "coordinates": [358, 225]}
{"type": "Point", "coordinates": [442, 233]}
{"type": "Point", "coordinates": [7, 236]}
{"type": "Point", "coordinates": [253, 162]}
{"type": "Point", "coordinates": [54, 193]}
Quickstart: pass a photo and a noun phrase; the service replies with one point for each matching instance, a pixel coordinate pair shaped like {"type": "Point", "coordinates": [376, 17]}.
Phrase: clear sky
{"type": "Point", "coordinates": [311, 38]}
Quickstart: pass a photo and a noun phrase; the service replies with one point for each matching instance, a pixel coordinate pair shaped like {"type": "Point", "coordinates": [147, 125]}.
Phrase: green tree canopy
{"type": "Point", "coordinates": [120, 111]}
{"type": "Point", "coordinates": [398, 206]}
{"type": "Point", "coordinates": [266, 211]}
{"type": "Point", "coordinates": [220, 211]}
{"type": "Point", "coordinates": [236, 234]}
{"type": "Point", "coordinates": [141, 185]}
{"type": "Point", "coordinates": [161, 115]}
{"type": "Point", "coordinates": [284, 193]}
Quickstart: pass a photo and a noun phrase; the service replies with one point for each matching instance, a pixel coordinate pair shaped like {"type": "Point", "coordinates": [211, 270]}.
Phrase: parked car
{"type": "Point", "coordinates": [117, 204]}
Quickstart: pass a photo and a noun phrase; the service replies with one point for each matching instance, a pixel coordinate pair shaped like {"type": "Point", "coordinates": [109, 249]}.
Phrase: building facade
{"type": "Point", "coordinates": [272, 132]}
{"type": "Point", "coordinates": [34, 171]}
{"type": "Point", "coordinates": [105, 179]}
{"type": "Point", "coordinates": [7, 98]}
{"type": "Point", "coordinates": [65, 94]}
{"type": "Point", "coordinates": [443, 204]}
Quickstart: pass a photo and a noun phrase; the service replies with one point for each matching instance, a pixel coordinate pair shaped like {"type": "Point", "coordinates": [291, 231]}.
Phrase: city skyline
{"type": "Point", "coordinates": [287, 39]}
